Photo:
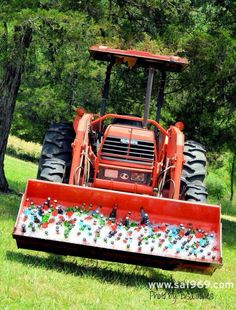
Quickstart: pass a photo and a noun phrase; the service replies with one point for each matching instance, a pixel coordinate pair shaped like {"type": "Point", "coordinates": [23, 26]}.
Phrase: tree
{"type": "Point", "coordinates": [9, 87]}
{"type": "Point", "coordinates": [232, 176]}
{"type": "Point", "coordinates": [58, 73]}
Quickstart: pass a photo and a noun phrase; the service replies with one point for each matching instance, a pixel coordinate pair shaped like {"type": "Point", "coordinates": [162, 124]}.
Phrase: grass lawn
{"type": "Point", "coordinates": [35, 280]}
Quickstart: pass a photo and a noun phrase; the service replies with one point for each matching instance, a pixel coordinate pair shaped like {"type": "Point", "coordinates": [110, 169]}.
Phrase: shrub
{"type": "Point", "coordinates": [22, 149]}
{"type": "Point", "coordinates": [216, 187]}
{"type": "Point", "coordinates": [228, 207]}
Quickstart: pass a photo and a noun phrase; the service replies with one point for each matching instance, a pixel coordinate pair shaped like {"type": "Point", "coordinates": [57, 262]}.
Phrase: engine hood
{"type": "Point", "coordinates": [132, 134]}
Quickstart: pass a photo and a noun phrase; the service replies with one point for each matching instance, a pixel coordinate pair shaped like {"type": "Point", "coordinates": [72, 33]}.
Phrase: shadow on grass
{"type": "Point", "coordinates": [17, 187]}
{"type": "Point", "coordinates": [104, 272]}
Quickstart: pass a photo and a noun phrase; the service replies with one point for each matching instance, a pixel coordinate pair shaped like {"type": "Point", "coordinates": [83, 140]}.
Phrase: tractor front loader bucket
{"type": "Point", "coordinates": [121, 227]}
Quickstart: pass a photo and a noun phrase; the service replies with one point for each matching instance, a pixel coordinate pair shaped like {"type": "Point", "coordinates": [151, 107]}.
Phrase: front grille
{"type": "Point", "coordinates": [135, 151]}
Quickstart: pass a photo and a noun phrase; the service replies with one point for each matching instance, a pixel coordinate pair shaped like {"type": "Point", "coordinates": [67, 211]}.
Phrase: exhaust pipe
{"type": "Point", "coordinates": [148, 95]}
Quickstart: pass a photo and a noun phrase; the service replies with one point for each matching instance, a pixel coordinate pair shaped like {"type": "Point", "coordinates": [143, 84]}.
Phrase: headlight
{"type": "Point", "coordinates": [137, 177]}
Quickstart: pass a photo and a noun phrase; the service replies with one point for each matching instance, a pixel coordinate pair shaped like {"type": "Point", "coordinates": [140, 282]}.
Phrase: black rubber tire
{"type": "Point", "coordinates": [57, 145]}
{"type": "Point", "coordinates": [194, 168]}
{"type": "Point", "coordinates": [53, 170]}
{"type": "Point", "coordinates": [196, 192]}
{"type": "Point", "coordinates": [194, 172]}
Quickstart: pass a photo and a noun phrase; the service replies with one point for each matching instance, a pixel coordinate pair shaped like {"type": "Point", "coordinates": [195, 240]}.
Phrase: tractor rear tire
{"type": "Point", "coordinates": [53, 170]}
{"type": "Point", "coordinates": [194, 168]}
{"type": "Point", "coordinates": [196, 192]}
{"type": "Point", "coordinates": [194, 172]}
{"type": "Point", "coordinates": [57, 146]}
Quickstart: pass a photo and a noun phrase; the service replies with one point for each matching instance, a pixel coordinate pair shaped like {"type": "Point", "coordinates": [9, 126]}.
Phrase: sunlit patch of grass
{"type": "Point", "coordinates": [18, 172]}
{"type": "Point", "coordinates": [23, 149]}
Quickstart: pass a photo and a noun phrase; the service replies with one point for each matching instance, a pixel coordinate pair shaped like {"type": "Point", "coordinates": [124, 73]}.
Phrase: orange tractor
{"type": "Point", "coordinates": [123, 188]}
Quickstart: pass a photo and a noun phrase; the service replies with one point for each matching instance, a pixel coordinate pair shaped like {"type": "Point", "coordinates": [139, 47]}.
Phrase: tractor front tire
{"type": "Point", "coordinates": [194, 168]}
{"type": "Point", "coordinates": [194, 172]}
{"type": "Point", "coordinates": [53, 170]}
{"type": "Point", "coordinates": [196, 192]}
{"type": "Point", "coordinates": [57, 148]}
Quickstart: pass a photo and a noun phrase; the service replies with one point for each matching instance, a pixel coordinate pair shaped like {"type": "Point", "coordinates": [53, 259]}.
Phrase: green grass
{"type": "Point", "coordinates": [35, 280]}
{"type": "Point", "coordinates": [18, 172]}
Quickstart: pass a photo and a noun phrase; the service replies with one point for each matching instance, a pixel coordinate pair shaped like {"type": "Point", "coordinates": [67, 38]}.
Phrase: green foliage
{"type": "Point", "coordinates": [216, 187]}
{"type": "Point", "coordinates": [211, 89]}
{"type": "Point", "coordinates": [218, 179]}
{"type": "Point", "coordinates": [59, 76]}
{"type": "Point", "coordinates": [228, 207]}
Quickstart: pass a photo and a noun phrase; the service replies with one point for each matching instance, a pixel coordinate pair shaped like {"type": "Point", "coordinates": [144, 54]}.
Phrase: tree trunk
{"type": "Point", "coordinates": [232, 173]}
{"type": "Point", "coordinates": [8, 91]}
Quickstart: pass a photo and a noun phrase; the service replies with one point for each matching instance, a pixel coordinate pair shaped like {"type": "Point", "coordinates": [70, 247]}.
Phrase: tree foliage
{"type": "Point", "coordinates": [59, 75]}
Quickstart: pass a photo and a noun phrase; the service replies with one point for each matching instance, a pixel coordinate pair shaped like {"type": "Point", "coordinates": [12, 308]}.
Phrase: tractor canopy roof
{"type": "Point", "coordinates": [138, 58]}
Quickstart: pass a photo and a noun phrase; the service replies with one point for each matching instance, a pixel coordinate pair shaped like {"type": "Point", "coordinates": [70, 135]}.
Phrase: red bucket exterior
{"type": "Point", "coordinates": [204, 216]}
